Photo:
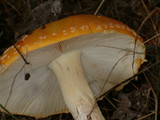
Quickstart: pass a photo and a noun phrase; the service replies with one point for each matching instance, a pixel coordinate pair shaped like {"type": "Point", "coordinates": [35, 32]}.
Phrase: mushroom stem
{"type": "Point", "coordinates": [74, 86]}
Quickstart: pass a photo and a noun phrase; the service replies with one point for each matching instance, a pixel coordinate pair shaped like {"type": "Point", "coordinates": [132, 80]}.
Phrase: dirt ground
{"type": "Point", "coordinates": [139, 99]}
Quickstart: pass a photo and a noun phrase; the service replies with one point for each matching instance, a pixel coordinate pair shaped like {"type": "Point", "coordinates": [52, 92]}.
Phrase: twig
{"type": "Point", "coordinates": [151, 38]}
{"type": "Point", "coordinates": [8, 112]}
{"type": "Point", "coordinates": [142, 71]}
{"type": "Point", "coordinates": [142, 118]}
{"type": "Point", "coordinates": [121, 49]}
{"type": "Point", "coordinates": [105, 83]}
{"type": "Point", "coordinates": [13, 7]}
{"type": "Point", "coordinates": [153, 76]}
{"type": "Point", "coordinates": [111, 102]}
{"type": "Point", "coordinates": [11, 89]}
{"type": "Point", "coordinates": [155, 97]}
{"type": "Point", "coordinates": [149, 15]}
{"type": "Point", "coordinates": [26, 62]}
{"type": "Point", "coordinates": [100, 5]}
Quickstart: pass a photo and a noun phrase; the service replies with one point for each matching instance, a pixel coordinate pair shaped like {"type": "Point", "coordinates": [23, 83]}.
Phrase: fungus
{"type": "Point", "coordinates": [71, 63]}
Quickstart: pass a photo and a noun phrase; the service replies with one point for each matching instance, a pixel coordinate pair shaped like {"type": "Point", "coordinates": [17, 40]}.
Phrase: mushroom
{"type": "Point", "coordinates": [66, 65]}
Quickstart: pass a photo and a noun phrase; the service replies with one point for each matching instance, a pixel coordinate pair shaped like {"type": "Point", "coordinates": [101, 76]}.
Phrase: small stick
{"type": "Point", "coordinates": [21, 55]}
{"type": "Point", "coordinates": [100, 5]}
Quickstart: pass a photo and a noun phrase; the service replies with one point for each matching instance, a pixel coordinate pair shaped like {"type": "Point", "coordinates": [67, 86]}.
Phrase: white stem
{"type": "Point", "coordinates": [74, 86]}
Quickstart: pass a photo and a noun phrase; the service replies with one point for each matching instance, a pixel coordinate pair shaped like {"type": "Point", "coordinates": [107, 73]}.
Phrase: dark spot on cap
{"type": "Point", "coordinates": [27, 76]}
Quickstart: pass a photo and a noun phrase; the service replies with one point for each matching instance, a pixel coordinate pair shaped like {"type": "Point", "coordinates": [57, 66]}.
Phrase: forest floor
{"type": "Point", "coordinates": [140, 98]}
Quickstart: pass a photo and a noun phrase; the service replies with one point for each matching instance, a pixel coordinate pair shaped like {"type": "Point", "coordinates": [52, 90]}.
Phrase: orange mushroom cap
{"type": "Point", "coordinates": [62, 30]}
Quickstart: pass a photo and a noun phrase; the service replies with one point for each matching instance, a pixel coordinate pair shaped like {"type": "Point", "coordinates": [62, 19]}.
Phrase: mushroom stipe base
{"type": "Point", "coordinates": [74, 86]}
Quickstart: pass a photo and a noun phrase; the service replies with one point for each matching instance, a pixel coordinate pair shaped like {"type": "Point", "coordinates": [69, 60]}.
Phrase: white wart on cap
{"type": "Point", "coordinates": [70, 61]}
